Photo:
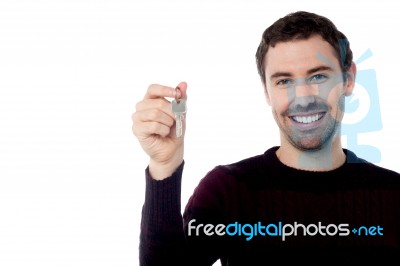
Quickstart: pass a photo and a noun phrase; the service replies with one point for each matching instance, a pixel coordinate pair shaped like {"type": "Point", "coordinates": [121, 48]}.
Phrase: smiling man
{"type": "Point", "coordinates": [305, 198]}
{"type": "Point", "coordinates": [305, 86]}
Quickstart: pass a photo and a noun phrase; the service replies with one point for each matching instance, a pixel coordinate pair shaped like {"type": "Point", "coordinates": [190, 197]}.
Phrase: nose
{"type": "Point", "coordinates": [305, 94]}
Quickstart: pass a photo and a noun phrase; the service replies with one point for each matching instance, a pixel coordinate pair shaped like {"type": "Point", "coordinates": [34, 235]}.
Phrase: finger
{"type": "Point", "coordinates": [182, 86]}
{"type": "Point", "coordinates": [153, 115]}
{"type": "Point", "coordinates": [146, 129]}
{"type": "Point", "coordinates": [159, 91]}
{"type": "Point", "coordinates": [159, 104]}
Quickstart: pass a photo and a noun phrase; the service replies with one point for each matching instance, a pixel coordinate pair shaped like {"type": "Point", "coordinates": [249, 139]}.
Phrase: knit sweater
{"type": "Point", "coordinates": [258, 210]}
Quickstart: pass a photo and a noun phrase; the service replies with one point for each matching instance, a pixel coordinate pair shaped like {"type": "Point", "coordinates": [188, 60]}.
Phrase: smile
{"type": "Point", "coordinates": [307, 119]}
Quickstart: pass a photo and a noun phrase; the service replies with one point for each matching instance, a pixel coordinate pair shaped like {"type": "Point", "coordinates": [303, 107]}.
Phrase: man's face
{"type": "Point", "coordinates": [306, 89]}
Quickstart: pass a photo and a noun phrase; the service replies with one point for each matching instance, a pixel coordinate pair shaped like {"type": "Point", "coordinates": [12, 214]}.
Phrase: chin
{"type": "Point", "coordinates": [309, 144]}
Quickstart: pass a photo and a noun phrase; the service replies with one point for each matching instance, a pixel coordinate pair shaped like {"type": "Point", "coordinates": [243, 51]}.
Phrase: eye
{"type": "Point", "coordinates": [318, 78]}
{"type": "Point", "coordinates": [284, 82]}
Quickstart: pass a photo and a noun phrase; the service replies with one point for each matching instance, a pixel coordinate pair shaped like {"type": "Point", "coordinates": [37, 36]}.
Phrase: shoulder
{"type": "Point", "coordinates": [360, 163]}
{"type": "Point", "coordinates": [221, 185]}
{"type": "Point", "coordinates": [222, 174]}
{"type": "Point", "coordinates": [368, 170]}
{"type": "Point", "coordinates": [228, 173]}
{"type": "Point", "coordinates": [253, 166]}
{"type": "Point", "coordinates": [248, 170]}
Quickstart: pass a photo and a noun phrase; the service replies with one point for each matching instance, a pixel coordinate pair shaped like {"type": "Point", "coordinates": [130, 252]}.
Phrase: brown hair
{"type": "Point", "coordinates": [299, 26]}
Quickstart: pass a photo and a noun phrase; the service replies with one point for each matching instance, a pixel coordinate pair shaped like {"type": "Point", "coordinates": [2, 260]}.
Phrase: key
{"type": "Point", "coordinates": [179, 109]}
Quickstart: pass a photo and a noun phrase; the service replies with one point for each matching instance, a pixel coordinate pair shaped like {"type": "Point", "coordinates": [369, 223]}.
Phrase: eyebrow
{"type": "Point", "coordinates": [310, 71]}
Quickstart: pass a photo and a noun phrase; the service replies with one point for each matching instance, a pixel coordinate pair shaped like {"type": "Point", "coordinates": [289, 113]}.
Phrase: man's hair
{"type": "Point", "coordinates": [302, 25]}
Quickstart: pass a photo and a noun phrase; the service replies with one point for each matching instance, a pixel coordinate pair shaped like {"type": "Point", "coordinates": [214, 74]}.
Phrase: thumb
{"type": "Point", "coordinates": [182, 87]}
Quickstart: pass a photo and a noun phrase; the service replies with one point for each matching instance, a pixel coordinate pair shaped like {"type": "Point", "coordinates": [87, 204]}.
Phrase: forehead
{"type": "Point", "coordinates": [300, 55]}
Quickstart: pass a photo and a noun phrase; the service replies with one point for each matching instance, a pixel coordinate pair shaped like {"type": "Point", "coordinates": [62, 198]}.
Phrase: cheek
{"type": "Point", "coordinates": [334, 97]}
{"type": "Point", "coordinates": [332, 90]}
{"type": "Point", "coordinates": [279, 100]}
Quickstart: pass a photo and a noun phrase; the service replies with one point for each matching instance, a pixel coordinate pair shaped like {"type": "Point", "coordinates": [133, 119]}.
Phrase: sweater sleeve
{"type": "Point", "coordinates": [162, 240]}
{"type": "Point", "coordinates": [164, 236]}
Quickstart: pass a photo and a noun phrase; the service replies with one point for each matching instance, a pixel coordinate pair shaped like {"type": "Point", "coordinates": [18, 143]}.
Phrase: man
{"type": "Point", "coordinates": [306, 198]}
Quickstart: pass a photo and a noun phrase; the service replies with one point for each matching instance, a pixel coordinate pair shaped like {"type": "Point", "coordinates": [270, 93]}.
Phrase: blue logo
{"type": "Point", "coordinates": [365, 112]}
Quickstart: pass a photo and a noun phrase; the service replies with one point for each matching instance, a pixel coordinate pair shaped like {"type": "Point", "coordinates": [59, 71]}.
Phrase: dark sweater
{"type": "Point", "coordinates": [262, 191]}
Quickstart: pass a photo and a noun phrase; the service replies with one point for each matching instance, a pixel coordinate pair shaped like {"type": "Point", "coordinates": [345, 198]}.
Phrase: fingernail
{"type": "Point", "coordinates": [178, 93]}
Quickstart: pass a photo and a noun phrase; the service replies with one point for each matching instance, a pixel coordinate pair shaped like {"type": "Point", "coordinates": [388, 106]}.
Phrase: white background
{"type": "Point", "coordinates": [71, 72]}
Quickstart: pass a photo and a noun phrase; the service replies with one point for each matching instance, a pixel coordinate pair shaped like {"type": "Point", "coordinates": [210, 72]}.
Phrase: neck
{"type": "Point", "coordinates": [328, 157]}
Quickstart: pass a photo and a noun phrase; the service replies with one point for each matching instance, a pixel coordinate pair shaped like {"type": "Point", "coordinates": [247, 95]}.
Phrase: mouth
{"type": "Point", "coordinates": [307, 120]}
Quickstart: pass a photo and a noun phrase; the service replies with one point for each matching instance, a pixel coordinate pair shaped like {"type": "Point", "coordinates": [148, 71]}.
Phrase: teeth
{"type": "Point", "coordinates": [307, 119]}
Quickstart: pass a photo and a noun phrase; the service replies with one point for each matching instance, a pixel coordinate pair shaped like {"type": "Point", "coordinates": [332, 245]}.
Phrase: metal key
{"type": "Point", "coordinates": [179, 109]}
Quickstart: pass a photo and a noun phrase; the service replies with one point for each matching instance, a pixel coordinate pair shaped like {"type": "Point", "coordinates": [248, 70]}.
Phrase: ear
{"type": "Point", "coordinates": [351, 79]}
